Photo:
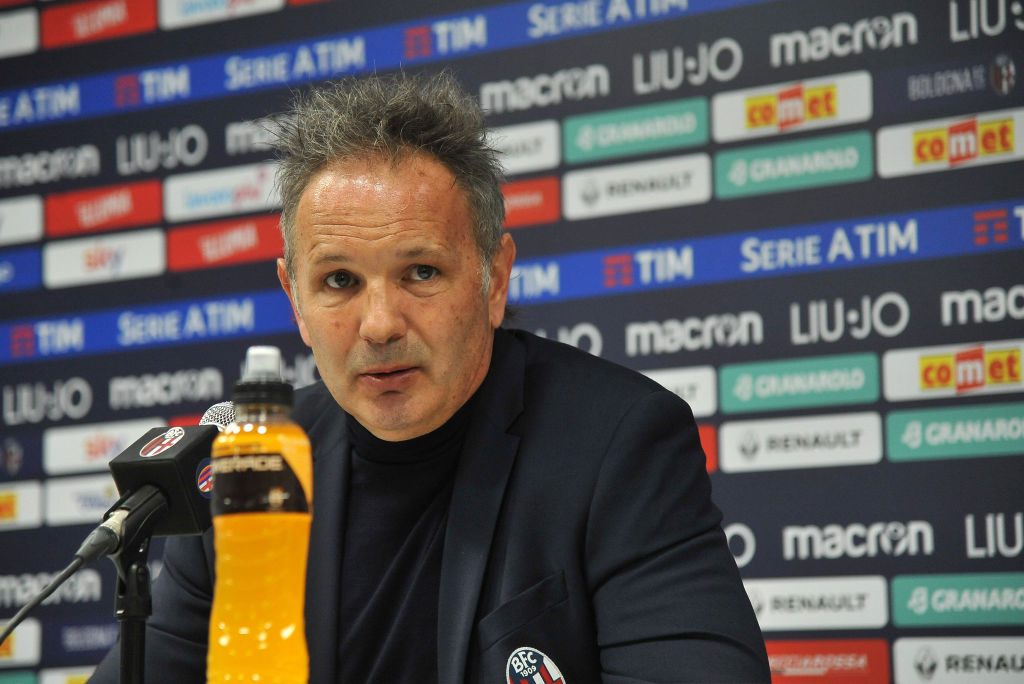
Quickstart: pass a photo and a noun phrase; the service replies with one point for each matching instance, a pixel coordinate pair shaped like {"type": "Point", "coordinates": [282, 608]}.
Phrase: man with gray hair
{"type": "Point", "coordinates": [490, 506]}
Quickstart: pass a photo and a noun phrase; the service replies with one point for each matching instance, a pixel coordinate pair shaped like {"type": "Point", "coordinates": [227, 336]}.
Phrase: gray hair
{"type": "Point", "coordinates": [391, 116]}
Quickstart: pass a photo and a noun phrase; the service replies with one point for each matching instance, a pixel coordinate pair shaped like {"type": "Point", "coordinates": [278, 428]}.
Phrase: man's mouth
{"type": "Point", "coordinates": [391, 378]}
{"type": "Point", "coordinates": [383, 373]}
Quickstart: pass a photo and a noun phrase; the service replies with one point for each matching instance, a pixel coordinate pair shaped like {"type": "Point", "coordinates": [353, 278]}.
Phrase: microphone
{"type": "Point", "coordinates": [175, 461]}
{"type": "Point", "coordinates": [165, 480]}
{"type": "Point", "coordinates": [221, 415]}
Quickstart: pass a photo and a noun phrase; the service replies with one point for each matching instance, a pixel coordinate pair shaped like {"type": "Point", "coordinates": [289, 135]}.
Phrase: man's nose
{"type": "Point", "coordinates": [383, 320]}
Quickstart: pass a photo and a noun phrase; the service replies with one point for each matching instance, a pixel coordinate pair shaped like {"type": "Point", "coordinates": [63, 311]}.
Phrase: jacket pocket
{"type": "Point", "coordinates": [524, 607]}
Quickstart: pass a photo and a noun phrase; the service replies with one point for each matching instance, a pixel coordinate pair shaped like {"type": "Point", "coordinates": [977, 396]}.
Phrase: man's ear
{"type": "Point", "coordinates": [501, 271]}
{"type": "Point", "coordinates": [286, 285]}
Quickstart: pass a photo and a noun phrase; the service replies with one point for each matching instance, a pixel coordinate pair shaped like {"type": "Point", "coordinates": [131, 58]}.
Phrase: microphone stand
{"type": "Point", "coordinates": [133, 603]}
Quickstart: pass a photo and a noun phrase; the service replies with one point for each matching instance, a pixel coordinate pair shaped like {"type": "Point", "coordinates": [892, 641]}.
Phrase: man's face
{"type": "Point", "coordinates": [388, 292]}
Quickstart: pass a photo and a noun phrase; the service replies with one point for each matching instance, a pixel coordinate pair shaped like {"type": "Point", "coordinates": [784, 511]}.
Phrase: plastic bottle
{"type": "Point", "coordinates": [262, 509]}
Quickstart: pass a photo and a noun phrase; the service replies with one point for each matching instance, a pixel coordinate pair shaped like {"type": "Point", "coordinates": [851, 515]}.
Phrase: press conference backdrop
{"type": "Point", "coordinates": [806, 218]}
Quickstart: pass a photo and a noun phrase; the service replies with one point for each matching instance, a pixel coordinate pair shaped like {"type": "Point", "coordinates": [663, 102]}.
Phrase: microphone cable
{"type": "Point", "coordinates": [61, 577]}
{"type": "Point", "coordinates": [106, 537]}
{"type": "Point", "coordinates": [103, 540]}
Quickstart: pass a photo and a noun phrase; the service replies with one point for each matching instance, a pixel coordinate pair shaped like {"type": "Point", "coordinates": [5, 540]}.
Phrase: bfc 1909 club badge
{"type": "Point", "coordinates": [162, 442]}
{"type": "Point", "coordinates": [204, 478]}
{"type": "Point", "coordinates": [527, 665]}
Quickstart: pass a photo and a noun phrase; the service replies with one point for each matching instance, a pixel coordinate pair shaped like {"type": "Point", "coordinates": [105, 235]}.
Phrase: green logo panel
{"type": "Point", "coordinates": [963, 432]}
{"type": "Point", "coordinates": [818, 381]}
{"type": "Point", "coordinates": [829, 160]}
{"type": "Point", "coordinates": [635, 130]}
{"type": "Point", "coordinates": [18, 678]}
{"type": "Point", "coordinates": [954, 600]}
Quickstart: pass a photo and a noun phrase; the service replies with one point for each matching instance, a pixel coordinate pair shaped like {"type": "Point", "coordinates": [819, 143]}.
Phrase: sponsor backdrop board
{"type": "Point", "coordinates": [805, 218]}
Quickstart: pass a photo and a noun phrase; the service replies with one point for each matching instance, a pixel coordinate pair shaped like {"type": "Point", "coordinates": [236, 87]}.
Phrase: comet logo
{"type": "Point", "coordinates": [963, 142]}
{"type": "Point", "coordinates": [970, 369]}
{"type": "Point", "coordinates": [792, 107]}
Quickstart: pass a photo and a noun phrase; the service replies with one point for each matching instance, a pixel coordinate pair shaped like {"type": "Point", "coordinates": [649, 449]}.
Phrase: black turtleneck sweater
{"type": "Point", "coordinates": [394, 534]}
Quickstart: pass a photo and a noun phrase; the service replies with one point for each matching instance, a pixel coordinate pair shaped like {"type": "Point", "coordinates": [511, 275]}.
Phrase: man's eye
{"type": "Point", "coordinates": [339, 280]}
{"type": "Point", "coordinates": [421, 272]}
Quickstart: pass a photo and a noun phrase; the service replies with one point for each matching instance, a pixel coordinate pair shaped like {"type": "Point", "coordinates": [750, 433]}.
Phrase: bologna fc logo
{"type": "Point", "coordinates": [529, 666]}
{"type": "Point", "coordinates": [204, 478]}
{"type": "Point", "coordinates": [162, 443]}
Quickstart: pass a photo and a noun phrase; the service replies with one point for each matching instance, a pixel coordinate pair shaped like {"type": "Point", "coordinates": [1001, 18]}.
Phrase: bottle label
{"type": "Point", "coordinates": [261, 483]}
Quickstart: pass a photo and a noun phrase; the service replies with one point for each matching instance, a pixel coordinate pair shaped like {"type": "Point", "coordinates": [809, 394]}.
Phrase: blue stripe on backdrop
{"type": "Point", "coordinates": [171, 324]}
{"type": "Point", "coordinates": [866, 241]}
{"type": "Point", "coordinates": [297, 62]}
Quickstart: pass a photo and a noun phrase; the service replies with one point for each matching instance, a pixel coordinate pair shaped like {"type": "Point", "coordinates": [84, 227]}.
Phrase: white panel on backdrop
{"type": "Point", "coordinates": [19, 32]}
{"type": "Point", "coordinates": [637, 187]}
{"type": "Point", "coordinates": [698, 386]}
{"type": "Point", "coordinates": [958, 660]}
{"type": "Point", "coordinates": [953, 370]}
{"type": "Point", "coordinates": [119, 256]}
{"type": "Point", "coordinates": [791, 107]}
{"type": "Point", "coordinates": [20, 505]}
{"type": "Point", "coordinates": [21, 219]}
{"type": "Point", "coordinates": [814, 603]}
{"type": "Point", "coordinates": [175, 14]}
{"type": "Point", "coordinates": [85, 448]}
{"type": "Point", "coordinates": [220, 192]}
{"type": "Point", "coordinates": [533, 146]}
{"type": "Point", "coordinates": [951, 143]}
{"type": "Point", "coordinates": [79, 500]}
{"type": "Point", "coordinates": [800, 442]}
{"type": "Point", "coordinates": [24, 647]}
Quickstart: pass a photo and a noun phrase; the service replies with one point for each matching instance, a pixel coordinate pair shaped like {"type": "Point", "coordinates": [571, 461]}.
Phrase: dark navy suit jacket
{"type": "Point", "coordinates": [580, 526]}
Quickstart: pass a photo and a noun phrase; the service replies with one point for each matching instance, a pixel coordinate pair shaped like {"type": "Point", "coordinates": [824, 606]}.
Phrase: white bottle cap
{"type": "Point", "coordinates": [262, 364]}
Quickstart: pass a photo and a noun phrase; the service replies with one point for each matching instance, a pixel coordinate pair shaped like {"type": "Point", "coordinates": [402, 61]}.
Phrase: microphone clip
{"type": "Point", "coordinates": [133, 519]}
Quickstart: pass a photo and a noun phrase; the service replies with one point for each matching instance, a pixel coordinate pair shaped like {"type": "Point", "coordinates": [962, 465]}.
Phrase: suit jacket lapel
{"type": "Point", "coordinates": [484, 466]}
{"type": "Point", "coordinates": [329, 436]}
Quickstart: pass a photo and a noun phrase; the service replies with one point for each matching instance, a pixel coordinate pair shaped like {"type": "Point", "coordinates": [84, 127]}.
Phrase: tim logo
{"type": "Point", "coordinates": [529, 666]}
{"type": "Point", "coordinates": [963, 142]}
{"type": "Point", "coordinates": [970, 369]}
{"type": "Point", "coordinates": [162, 443]}
{"type": "Point", "coordinates": [445, 37]}
{"type": "Point", "coordinates": [152, 86]}
{"type": "Point", "coordinates": [991, 226]}
{"type": "Point", "coordinates": [418, 42]}
{"type": "Point", "coordinates": [127, 91]}
{"type": "Point", "coordinates": [618, 270]}
{"type": "Point", "coordinates": [23, 341]}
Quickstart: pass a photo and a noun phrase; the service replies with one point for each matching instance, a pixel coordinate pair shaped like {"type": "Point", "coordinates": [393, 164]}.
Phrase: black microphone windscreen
{"type": "Point", "coordinates": [176, 460]}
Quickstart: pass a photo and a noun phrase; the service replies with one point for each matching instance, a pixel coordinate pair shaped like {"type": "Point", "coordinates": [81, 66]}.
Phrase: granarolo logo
{"type": "Point", "coordinates": [162, 443]}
